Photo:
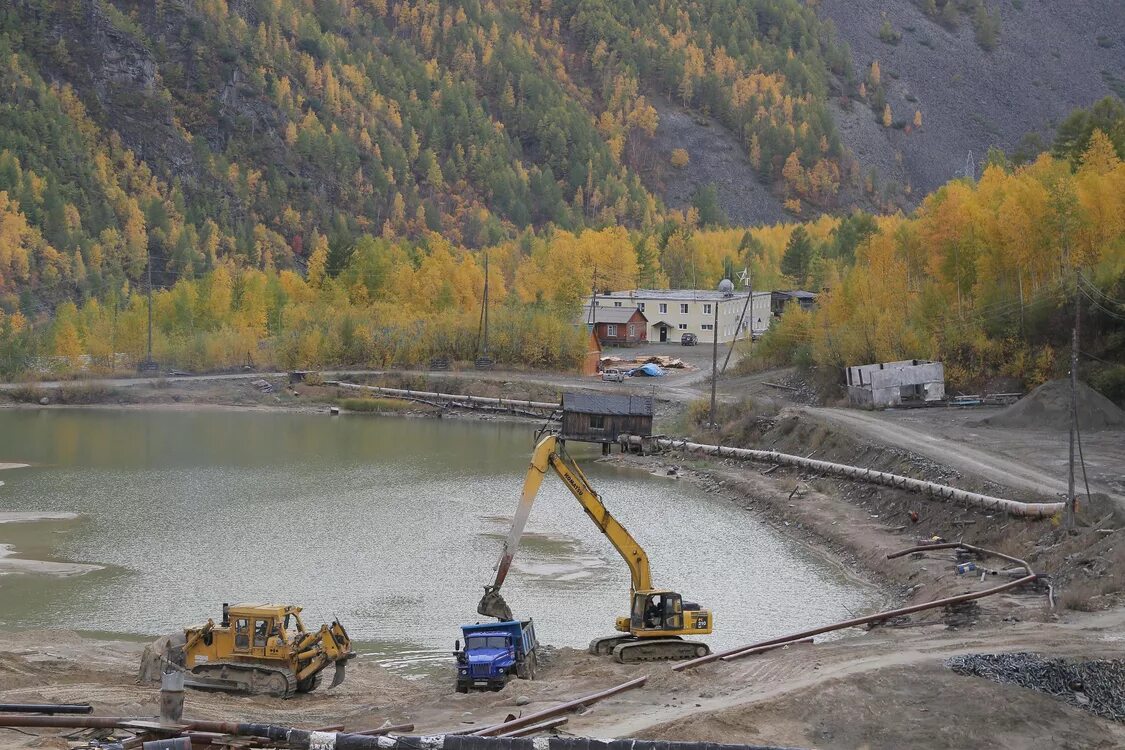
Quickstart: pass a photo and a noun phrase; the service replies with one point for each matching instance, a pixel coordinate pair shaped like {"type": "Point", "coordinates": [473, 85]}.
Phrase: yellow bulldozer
{"type": "Point", "coordinates": [255, 648]}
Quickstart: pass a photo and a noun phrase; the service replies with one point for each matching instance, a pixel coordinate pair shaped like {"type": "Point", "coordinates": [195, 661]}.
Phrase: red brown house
{"type": "Point", "coordinates": [617, 326]}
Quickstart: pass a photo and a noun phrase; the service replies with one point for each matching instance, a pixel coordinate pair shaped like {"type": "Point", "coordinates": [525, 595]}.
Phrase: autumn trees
{"type": "Point", "coordinates": [974, 276]}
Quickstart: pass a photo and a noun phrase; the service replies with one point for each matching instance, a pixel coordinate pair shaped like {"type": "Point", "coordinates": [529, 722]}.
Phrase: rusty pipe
{"type": "Point", "coordinates": [558, 721]}
{"type": "Point", "coordinates": [961, 545]}
{"type": "Point", "coordinates": [547, 713]}
{"type": "Point", "coordinates": [380, 731]}
{"type": "Point", "coordinates": [740, 651]}
{"type": "Point", "coordinates": [764, 649]}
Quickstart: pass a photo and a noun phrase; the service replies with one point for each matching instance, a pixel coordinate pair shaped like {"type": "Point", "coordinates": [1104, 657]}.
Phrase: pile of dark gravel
{"type": "Point", "coordinates": [1096, 686]}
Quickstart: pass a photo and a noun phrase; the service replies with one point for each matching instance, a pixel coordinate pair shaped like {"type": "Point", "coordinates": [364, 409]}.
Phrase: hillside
{"type": "Point", "coordinates": [1048, 58]}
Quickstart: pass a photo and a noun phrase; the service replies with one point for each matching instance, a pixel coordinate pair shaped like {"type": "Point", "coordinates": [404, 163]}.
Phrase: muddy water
{"type": "Point", "coordinates": [391, 524]}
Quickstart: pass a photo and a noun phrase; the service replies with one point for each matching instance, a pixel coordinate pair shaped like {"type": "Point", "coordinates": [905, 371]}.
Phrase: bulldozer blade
{"type": "Point", "coordinates": [493, 605]}
{"type": "Point", "coordinates": [339, 676]}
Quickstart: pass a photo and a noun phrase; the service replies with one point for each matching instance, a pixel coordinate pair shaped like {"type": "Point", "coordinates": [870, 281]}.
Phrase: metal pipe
{"type": "Point", "coordinates": [506, 402]}
{"type": "Point", "coordinates": [740, 651]}
{"type": "Point", "coordinates": [303, 739]}
{"type": "Point", "coordinates": [396, 728]}
{"type": "Point", "coordinates": [764, 649]}
{"type": "Point", "coordinates": [562, 708]}
{"type": "Point", "coordinates": [961, 545]}
{"type": "Point", "coordinates": [988, 502]}
{"type": "Point", "coordinates": [540, 727]}
{"type": "Point", "coordinates": [46, 708]}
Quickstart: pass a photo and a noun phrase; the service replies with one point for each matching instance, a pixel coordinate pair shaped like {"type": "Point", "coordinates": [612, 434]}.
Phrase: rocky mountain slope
{"type": "Point", "coordinates": [1048, 59]}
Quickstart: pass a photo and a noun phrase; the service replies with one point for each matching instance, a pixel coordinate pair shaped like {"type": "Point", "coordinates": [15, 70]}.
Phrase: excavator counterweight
{"type": "Point", "coordinates": [657, 618]}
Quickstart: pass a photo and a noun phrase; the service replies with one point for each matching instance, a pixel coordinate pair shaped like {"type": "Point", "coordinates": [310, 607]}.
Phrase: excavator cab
{"type": "Point", "coordinates": [660, 613]}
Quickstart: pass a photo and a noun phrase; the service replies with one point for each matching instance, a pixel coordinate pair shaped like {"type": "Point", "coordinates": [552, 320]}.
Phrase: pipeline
{"type": "Point", "coordinates": [987, 502]}
{"type": "Point", "coordinates": [507, 403]}
{"type": "Point", "coordinates": [304, 739]}
{"type": "Point", "coordinates": [741, 651]}
{"type": "Point", "coordinates": [961, 545]}
{"type": "Point", "coordinates": [542, 726]}
{"type": "Point", "coordinates": [46, 708]}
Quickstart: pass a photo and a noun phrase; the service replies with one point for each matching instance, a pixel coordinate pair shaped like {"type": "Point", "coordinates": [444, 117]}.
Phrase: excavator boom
{"type": "Point", "coordinates": [549, 455]}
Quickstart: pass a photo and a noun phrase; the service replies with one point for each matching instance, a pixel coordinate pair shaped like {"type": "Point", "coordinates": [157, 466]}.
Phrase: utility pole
{"type": "Point", "coordinates": [150, 307]}
{"type": "Point", "coordinates": [1072, 500]}
{"type": "Point", "coordinates": [714, 362]}
{"type": "Point", "coordinates": [745, 278]}
{"type": "Point", "coordinates": [485, 303]}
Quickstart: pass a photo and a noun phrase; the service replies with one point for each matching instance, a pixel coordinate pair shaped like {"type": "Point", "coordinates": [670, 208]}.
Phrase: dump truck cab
{"type": "Point", "coordinates": [494, 652]}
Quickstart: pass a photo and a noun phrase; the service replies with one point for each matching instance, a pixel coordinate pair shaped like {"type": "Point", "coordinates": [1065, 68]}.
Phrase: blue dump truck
{"type": "Point", "coordinates": [494, 652]}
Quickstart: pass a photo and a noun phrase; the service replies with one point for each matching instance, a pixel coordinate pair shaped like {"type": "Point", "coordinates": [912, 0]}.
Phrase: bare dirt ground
{"type": "Point", "coordinates": [1028, 460]}
{"type": "Point", "coordinates": [881, 688]}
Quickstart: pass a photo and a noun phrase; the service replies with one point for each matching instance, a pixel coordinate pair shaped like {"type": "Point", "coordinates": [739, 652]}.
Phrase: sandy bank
{"type": "Point", "coordinates": [9, 564]}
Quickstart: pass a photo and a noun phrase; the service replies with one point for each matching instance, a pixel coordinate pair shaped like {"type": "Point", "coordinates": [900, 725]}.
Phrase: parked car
{"type": "Point", "coordinates": [612, 375]}
{"type": "Point", "coordinates": [689, 339]}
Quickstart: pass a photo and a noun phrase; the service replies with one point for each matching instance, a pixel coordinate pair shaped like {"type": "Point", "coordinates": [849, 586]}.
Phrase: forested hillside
{"type": "Point", "coordinates": [316, 182]}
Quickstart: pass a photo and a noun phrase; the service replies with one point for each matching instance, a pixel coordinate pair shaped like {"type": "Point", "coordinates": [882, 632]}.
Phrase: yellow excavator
{"type": "Point", "coordinates": [657, 618]}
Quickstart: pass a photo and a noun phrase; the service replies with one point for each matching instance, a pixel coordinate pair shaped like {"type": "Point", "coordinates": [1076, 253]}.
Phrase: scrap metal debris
{"type": "Point", "coordinates": [1096, 686]}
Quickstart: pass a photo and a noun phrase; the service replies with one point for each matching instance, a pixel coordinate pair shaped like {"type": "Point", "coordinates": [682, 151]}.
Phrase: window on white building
{"type": "Point", "coordinates": [707, 327]}
{"type": "Point", "coordinates": [663, 307]}
{"type": "Point", "coordinates": [641, 306]}
{"type": "Point", "coordinates": [683, 309]}
{"type": "Point", "coordinates": [706, 308]}
{"type": "Point", "coordinates": [611, 330]}
{"type": "Point", "coordinates": [683, 326]}
{"type": "Point", "coordinates": [617, 304]}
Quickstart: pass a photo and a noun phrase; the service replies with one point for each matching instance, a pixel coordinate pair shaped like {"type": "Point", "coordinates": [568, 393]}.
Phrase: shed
{"type": "Point", "coordinates": [592, 361]}
{"type": "Point", "coordinates": [779, 299]}
{"type": "Point", "coordinates": [617, 326]}
{"type": "Point", "coordinates": [883, 384]}
{"type": "Point", "coordinates": [601, 417]}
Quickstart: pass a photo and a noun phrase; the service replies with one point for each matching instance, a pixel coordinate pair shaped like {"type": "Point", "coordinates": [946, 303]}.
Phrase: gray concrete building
{"type": "Point", "coordinates": [911, 381]}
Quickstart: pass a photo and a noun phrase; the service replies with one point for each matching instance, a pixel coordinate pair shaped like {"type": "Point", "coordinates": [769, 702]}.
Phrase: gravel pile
{"type": "Point", "coordinates": [1096, 686]}
{"type": "Point", "coordinates": [1048, 407]}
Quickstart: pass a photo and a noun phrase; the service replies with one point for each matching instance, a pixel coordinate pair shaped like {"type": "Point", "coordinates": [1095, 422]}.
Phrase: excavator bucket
{"type": "Point", "coordinates": [493, 605]}
{"type": "Point", "coordinates": [339, 676]}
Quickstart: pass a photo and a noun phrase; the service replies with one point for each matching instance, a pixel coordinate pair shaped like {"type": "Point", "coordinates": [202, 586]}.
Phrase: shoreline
{"type": "Point", "coordinates": [826, 548]}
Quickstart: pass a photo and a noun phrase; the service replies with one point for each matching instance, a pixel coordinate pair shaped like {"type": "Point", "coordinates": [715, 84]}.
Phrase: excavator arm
{"type": "Point", "coordinates": [549, 454]}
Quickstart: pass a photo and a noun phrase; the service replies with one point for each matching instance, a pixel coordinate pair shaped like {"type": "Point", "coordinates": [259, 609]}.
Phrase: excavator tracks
{"type": "Point", "coordinates": [658, 649]}
{"type": "Point", "coordinates": [629, 649]}
{"type": "Point", "coordinates": [246, 678]}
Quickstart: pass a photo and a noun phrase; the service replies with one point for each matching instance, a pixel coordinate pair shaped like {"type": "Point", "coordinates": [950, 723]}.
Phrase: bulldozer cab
{"type": "Point", "coordinates": [657, 611]}
{"type": "Point", "coordinates": [263, 631]}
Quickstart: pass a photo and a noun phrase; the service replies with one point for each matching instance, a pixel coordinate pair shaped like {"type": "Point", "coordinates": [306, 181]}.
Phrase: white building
{"type": "Point", "coordinates": [673, 312]}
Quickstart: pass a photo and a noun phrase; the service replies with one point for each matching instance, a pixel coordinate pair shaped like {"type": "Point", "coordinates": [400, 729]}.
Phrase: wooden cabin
{"type": "Point", "coordinates": [601, 417]}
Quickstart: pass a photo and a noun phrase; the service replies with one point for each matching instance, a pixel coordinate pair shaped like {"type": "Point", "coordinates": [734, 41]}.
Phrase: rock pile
{"type": "Point", "coordinates": [1096, 686]}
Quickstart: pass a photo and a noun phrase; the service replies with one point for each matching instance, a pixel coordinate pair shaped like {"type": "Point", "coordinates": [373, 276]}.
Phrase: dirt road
{"type": "Point", "coordinates": [1025, 460]}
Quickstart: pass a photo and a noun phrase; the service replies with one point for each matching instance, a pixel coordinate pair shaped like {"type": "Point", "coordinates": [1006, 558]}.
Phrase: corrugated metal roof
{"type": "Point", "coordinates": [610, 314]}
{"type": "Point", "coordinates": [607, 403]}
